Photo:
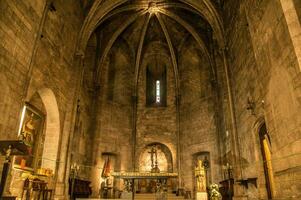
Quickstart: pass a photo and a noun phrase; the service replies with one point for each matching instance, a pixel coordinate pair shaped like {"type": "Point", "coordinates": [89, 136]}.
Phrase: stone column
{"type": "Point", "coordinates": [238, 189]}
{"type": "Point", "coordinates": [178, 102]}
{"type": "Point", "coordinates": [63, 170]}
{"type": "Point", "coordinates": [134, 130]}
{"type": "Point", "coordinates": [293, 24]}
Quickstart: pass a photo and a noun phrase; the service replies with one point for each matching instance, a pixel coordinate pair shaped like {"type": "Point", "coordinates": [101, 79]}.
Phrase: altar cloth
{"type": "Point", "coordinates": [201, 196]}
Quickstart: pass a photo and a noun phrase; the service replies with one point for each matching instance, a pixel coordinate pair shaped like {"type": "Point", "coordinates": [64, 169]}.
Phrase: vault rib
{"type": "Point", "coordinates": [114, 38]}
{"type": "Point", "coordinates": [194, 34]}
{"type": "Point", "coordinates": [171, 50]}
{"type": "Point", "coordinates": [213, 18]}
{"type": "Point", "coordinates": [139, 52]}
{"type": "Point", "coordinates": [99, 9]}
{"type": "Point", "coordinates": [118, 11]}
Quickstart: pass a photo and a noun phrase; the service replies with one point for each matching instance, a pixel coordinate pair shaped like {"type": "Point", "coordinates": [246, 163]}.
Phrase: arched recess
{"type": "Point", "coordinates": [205, 157]}
{"type": "Point", "coordinates": [195, 76]}
{"type": "Point", "coordinates": [164, 155]}
{"type": "Point", "coordinates": [52, 131]}
{"type": "Point", "coordinates": [120, 73]}
{"type": "Point", "coordinates": [266, 154]}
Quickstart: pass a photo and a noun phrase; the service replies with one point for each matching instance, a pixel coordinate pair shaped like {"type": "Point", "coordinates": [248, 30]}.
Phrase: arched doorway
{"type": "Point", "coordinates": [40, 129]}
{"type": "Point", "coordinates": [265, 146]}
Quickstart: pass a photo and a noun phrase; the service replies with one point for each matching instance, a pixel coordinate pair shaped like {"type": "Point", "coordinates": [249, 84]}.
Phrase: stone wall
{"type": "Point", "coordinates": [157, 124]}
{"type": "Point", "coordinates": [37, 51]}
{"type": "Point", "coordinates": [298, 8]}
{"type": "Point", "coordinates": [198, 123]}
{"type": "Point", "coordinates": [113, 125]}
{"type": "Point", "coordinates": [264, 69]}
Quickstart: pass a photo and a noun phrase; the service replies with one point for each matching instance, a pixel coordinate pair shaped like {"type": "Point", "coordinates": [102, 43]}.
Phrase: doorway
{"type": "Point", "coordinates": [265, 145]}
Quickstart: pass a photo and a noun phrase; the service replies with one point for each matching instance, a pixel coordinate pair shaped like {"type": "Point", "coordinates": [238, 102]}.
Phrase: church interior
{"type": "Point", "coordinates": [150, 99]}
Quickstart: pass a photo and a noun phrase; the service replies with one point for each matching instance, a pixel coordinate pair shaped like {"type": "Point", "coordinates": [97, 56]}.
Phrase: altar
{"type": "Point", "coordinates": [145, 182]}
{"type": "Point", "coordinates": [153, 176]}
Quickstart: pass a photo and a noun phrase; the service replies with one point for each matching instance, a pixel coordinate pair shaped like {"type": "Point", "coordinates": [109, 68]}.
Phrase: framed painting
{"type": "Point", "coordinates": [31, 126]}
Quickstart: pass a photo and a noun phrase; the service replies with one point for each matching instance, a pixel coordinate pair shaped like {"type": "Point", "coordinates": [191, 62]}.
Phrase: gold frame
{"type": "Point", "coordinates": [30, 110]}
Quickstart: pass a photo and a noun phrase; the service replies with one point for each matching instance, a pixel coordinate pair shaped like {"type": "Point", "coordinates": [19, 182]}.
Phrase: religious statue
{"type": "Point", "coordinates": [214, 192]}
{"type": "Point", "coordinates": [200, 175]}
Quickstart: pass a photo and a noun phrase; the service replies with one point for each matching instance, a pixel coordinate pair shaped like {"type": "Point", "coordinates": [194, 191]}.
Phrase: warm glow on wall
{"type": "Point", "coordinates": [22, 119]}
{"type": "Point", "coordinates": [145, 161]}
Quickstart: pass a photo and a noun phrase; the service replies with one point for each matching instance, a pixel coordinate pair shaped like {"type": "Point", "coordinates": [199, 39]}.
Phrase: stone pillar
{"type": "Point", "coordinates": [293, 24]}
{"type": "Point", "coordinates": [238, 189]}
{"type": "Point", "coordinates": [178, 102]}
{"type": "Point", "coordinates": [63, 169]}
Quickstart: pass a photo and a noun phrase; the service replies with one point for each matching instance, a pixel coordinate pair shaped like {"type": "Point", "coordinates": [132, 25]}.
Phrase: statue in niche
{"type": "Point", "coordinates": [200, 175]}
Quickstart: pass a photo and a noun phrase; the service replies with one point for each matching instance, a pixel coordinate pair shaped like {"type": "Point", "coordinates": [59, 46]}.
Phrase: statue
{"type": "Point", "coordinates": [200, 176]}
{"type": "Point", "coordinates": [214, 192]}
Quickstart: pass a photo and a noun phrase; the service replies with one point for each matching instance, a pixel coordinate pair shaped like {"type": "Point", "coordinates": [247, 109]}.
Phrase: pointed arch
{"type": "Point", "coordinates": [52, 132]}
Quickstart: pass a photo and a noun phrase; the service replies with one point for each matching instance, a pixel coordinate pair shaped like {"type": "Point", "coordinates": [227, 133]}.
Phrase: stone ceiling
{"type": "Point", "coordinates": [141, 22]}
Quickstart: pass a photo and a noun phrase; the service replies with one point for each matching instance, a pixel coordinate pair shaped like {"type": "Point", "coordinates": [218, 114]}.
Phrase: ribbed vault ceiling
{"type": "Point", "coordinates": [141, 22]}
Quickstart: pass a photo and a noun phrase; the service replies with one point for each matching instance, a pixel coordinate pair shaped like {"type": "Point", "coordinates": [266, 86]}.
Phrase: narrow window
{"type": "Point", "coordinates": [156, 86]}
{"type": "Point", "coordinates": [158, 91]}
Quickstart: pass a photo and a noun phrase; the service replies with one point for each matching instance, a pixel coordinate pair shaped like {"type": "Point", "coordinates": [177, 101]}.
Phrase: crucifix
{"type": "Point", "coordinates": [153, 152]}
{"type": "Point", "coordinates": [154, 161]}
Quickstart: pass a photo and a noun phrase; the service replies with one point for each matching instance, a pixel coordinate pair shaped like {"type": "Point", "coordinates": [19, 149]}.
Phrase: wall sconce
{"type": "Point", "coordinates": [251, 106]}
{"type": "Point", "coordinates": [74, 168]}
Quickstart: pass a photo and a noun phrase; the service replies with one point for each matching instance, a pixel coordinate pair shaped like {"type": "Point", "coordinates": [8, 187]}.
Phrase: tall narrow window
{"type": "Point", "coordinates": [156, 86]}
{"type": "Point", "coordinates": [158, 94]}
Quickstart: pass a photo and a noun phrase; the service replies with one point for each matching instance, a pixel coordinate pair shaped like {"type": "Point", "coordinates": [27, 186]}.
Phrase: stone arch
{"type": "Point", "coordinates": [120, 73]}
{"type": "Point", "coordinates": [265, 175]}
{"type": "Point", "coordinates": [160, 57]}
{"type": "Point", "coordinates": [52, 131]}
{"type": "Point", "coordinates": [260, 121]}
{"type": "Point", "coordinates": [195, 73]}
